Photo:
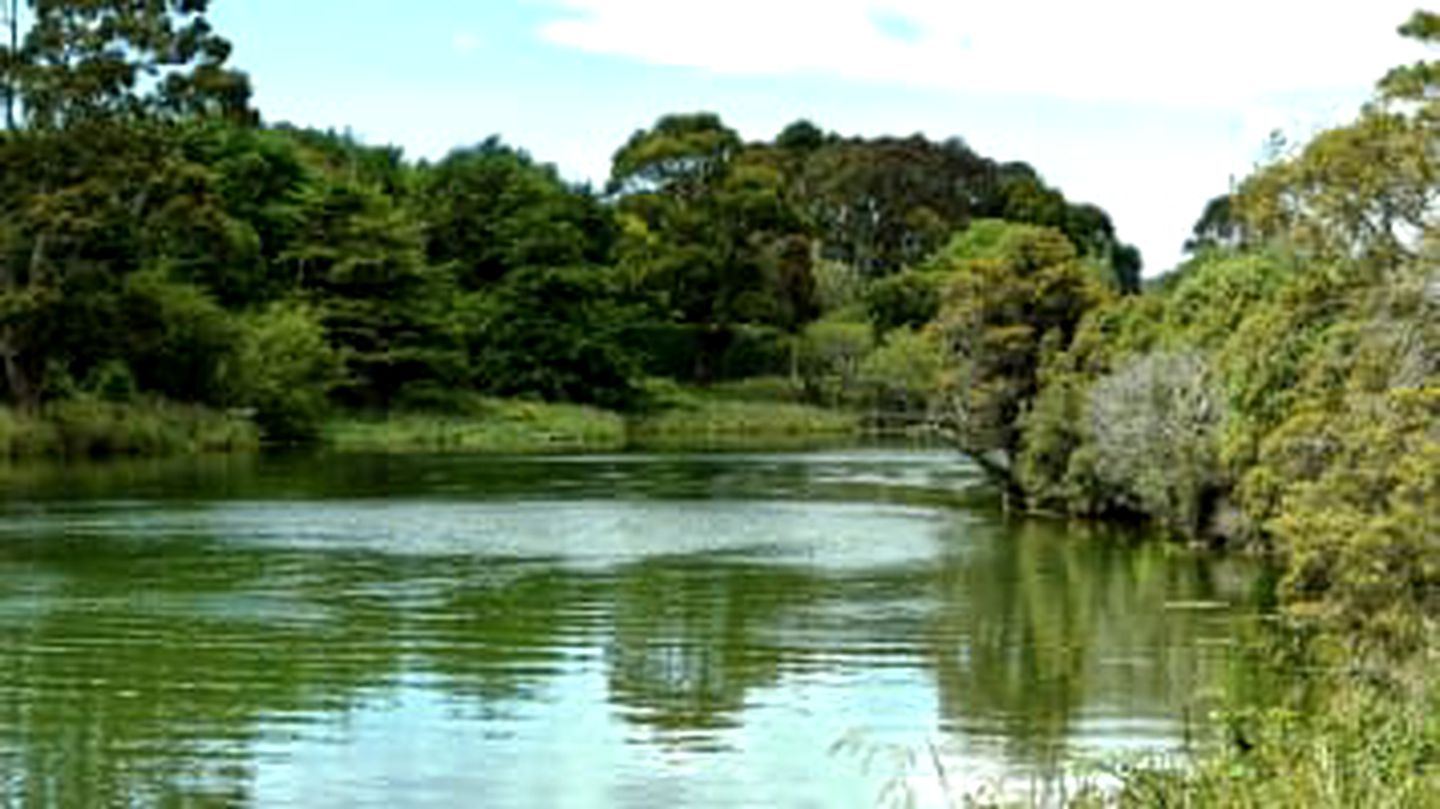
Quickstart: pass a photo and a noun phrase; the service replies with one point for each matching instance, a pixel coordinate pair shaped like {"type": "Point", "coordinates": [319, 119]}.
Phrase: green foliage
{"type": "Point", "coordinates": [669, 350]}
{"type": "Point", "coordinates": [690, 419]}
{"type": "Point", "coordinates": [557, 334]}
{"type": "Point", "coordinates": [490, 210]}
{"type": "Point", "coordinates": [903, 372]}
{"type": "Point", "coordinates": [84, 426]}
{"type": "Point", "coordinates": [1212, 295]}
{"type": "Point", "coordinates": [1358, 516]}
{"type": "Point", "coordinates": [158, 242]}
{"type": "Point", "coordinates": [883, 204]}
{"type": "Point", "coordinates": [1362, 743]}
{"type": "Point", "coordinates": [1282, 389]}
{"type": "Point", "coordinates": [285, 370]}
{"type": "Point", "coordinates": [175, 339]}
{"type": "Point", "coordinates": [1218, 227]}
{"type": "Point", "coordinates": [1056, 468]}
{"type": "Point", "coordinates": [838, 286]}
{"type": "Point", "coordinates": [1359, 192]}
{"type": "Point", "coordinates": [1001, 316]}
{"type": "Point", "coordinates": [482, 425]}
{"type": "Point", "coordinates": [1110, 334]}
{"type": "Point", "coordinates": [260, 177]}
{"type": "Point", "coordinates": [830, 354]}
{"type": "Point", "coordinates": [675, 418]}
{"type": "Point", "coordinates": [359, 257]}
{"type": "Point", "coordinates": [82, 61]}
{"type": "Point", "coordinates": [1417, 83]}
{"type": "Point", "coordinates": [85, 207]}
{"type": "Point", "coordinates": [981, 239]}
{"type": "Point", "coordinates": [801, 136]}
{"type": "Point", "coordinates": [905, 300]}
{"type": "Point", "coordinates": [681, 156]}
{"type": "Point", "coordinates": [709, 236]}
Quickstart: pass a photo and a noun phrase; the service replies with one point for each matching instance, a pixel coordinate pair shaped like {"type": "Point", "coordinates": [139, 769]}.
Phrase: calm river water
{"type": "Point", "coordinates": [833, 629]}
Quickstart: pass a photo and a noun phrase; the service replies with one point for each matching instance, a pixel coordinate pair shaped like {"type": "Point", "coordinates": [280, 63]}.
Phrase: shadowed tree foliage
{"type": "Point", "coordinates": [709, 234]}
{"type": "Point", "coordinates": [557, 333]}
{"type": "Point", "coordinates": [490, 210]}
{"type": "Point", "coordinates": [883, 204]}
{"type": "Point", "coordinates": [1217, 228]}
{"type": "Point", "coordinates": [359, 257]}
{"type": "Point", "coordinates": [87, 207]}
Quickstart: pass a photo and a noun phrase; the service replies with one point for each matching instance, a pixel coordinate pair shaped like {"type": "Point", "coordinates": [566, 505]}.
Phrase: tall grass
{"type": "Point", "coordinates": [722, 424]}
{"type": "Point", "coordinates": [737, 417]}
{"type": "Point", "coordinates": [1364, 742]}
{"type": "Point", "coordinates": [93, 428]}
{"type": "Point", "coordinates": [490, 426]}
{"type": "Point", "coordinates": [1337, 737]}
{"type": "Point", "coordinates": [760, 413]}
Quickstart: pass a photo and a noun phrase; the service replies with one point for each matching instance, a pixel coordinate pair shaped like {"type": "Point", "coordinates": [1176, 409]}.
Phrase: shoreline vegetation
{"type": "Point", "coordinates": [527, 427]}
{"type": "Point", "coordinates": [93, 428]}
{"type": "Point", "coordinates": [680, 419]}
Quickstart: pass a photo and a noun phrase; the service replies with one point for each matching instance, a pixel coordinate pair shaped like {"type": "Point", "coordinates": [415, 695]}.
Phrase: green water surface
{"type": "Point", "coordinates": [821, 630]}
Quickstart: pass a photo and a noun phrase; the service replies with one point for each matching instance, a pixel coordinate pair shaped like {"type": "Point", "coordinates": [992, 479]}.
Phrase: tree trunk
{"type": "Point", "coordinates": [713, 342]}
{"type": "Point", "coordinates": [12, 20]}
{"type": "Point", "coordinates": [17, 382]}
{"type": "Point", "coordinates": [998, 466]}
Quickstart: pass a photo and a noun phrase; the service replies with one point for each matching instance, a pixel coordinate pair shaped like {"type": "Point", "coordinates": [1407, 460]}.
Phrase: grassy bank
{"type": "Point", "coordinates": [718, 420]}
{"type": "Point", "coordinates": [489, 426]}
{"type": "Point", "coordinates": [723, 418]}
{"type": "Point", "coordinates": [678, 418]}
{"type": "Point", "coordinates": [92, 428]}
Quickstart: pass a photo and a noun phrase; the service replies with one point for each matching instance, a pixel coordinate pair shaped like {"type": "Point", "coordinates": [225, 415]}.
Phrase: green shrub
{"type": "Point", "coordinates": [905, 300]}
{"type": "Point", "coordinates": [756, 351]}
{"type": "Point", "coordinates": [178, 341]}
{"type": "Point", "coordinates": [285, 371]}
{"type": "Point", "coordinates": [829, 356]}
{"type": "Point", "coordinates": [903, 373]}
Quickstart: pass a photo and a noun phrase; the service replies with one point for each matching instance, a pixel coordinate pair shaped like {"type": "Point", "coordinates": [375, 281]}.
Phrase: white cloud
{"type": "Point", "coordinates": [1143, 51]}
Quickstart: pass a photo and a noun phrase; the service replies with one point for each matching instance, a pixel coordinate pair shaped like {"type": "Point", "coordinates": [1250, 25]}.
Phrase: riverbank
{"type": "Point", "coordinates": [94, 428]}
{"type": "Point", "coordinates": [491, 426]}
{"type": "Point", "coordinates": [677, 418]}
{"type": "Point", "coordinates": [682, 419]}
{"type": "Point", "coordinates": [757, 414]}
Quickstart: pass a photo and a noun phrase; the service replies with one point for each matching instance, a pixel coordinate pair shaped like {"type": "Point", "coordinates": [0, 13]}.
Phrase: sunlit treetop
{"type": "Point", "coordinates": [98, 59]}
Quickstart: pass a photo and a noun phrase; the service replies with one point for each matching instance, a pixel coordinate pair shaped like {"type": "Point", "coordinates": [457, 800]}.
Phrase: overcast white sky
{"type": "Point", "coordinates": [1145, 108]}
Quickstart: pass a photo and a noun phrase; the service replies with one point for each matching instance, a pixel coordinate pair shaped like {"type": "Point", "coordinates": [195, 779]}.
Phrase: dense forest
{"type": "Point", "coordinates": [169, 258]}
{"type": "Point", "coordinates": [161, 242]}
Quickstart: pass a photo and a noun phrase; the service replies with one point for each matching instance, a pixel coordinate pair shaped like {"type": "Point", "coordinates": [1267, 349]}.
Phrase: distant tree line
{"type": "Point", "coordinates": [158, 239]}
